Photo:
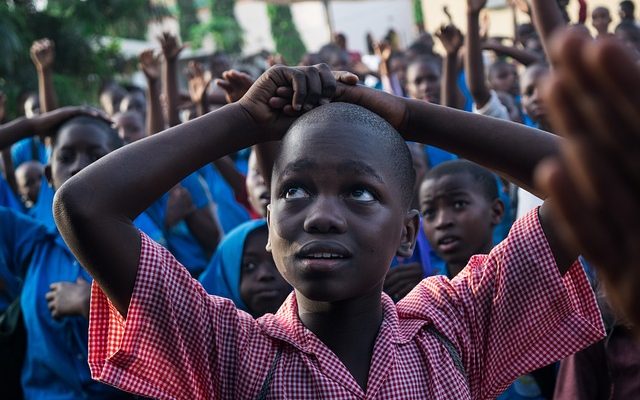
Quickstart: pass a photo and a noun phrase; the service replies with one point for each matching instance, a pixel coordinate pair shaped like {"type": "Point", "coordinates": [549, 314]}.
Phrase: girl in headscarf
{"type": "Point", "coordinates": [243, 271]}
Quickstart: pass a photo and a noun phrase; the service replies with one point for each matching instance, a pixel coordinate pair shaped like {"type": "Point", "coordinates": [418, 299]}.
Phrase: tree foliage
{"type": "Point", "coordinates": [285, 34]}
{"type": "Point", "coordinates": [418, 15]}
{"type": "Point", "coordinates": [223, 26]}
{"type": "Point", "coordinates": [82, 62]}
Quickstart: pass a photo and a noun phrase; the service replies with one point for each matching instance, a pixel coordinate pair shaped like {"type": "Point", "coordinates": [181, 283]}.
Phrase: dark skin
{"type": "Point", "coordinates": [593, 102]}
{"type": "Point", "coordinates": [345, 313]}
{"type": "Point", "coordinates": [262, 288]}
{"type": "Point", "coordinates": [171, 50]}
{"type": "Point", "coordinates": [43, 56]}
{"type": "Point", "coordinates": [548, 19]}
{"type": "Point", "coordinates": [458, 218]}
{"type": "Point", "coordinates": [28, 178]}
{"type": "Point", "coordinates": [532, 99]}
{"type": "Point", "coordinates": [150, 64]}
{"type": "Point", "coordinates": [473, 62]}
{"type": "Point", "coordinates": [452, 41]}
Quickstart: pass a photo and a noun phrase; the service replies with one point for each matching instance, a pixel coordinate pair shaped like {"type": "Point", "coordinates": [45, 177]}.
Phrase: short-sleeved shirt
{"type": "Point", "coordinates": [506, 313]}
{"type": "Point", "coordinates": [179, 239]}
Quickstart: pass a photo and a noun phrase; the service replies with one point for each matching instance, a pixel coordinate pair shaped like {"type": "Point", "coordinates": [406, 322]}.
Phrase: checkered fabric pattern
{"type": "Point", "coordinates": [507, 313]}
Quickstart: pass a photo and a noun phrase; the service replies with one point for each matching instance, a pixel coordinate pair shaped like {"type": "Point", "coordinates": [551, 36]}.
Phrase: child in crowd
{"type": "Point", "coordinates": [29, 180]}
{"type": "Point", "coordinates": [601, 19]}
{"type": "Point", "coordinates": [340, 211]}
{"type": "Point", "coordinates": [242, 270]}
{"type": "Point", "coordinates": [51, 285]}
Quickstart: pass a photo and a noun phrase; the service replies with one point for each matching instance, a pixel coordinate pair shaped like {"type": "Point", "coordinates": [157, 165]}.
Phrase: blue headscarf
{"type": "Point", "coordinates": [222, 275]}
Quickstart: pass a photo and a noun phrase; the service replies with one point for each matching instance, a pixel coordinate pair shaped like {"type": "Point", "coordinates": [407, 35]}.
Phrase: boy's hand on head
{"type": "Point", "coordinates": [43, 53]}
{"type": "Point", "coordinates": [282, 94]}
{"type": "Point", "coordinates": [235, 84]}
{"type": "Point", "coordinates": [170, 46]}
{"type": "Point", "coordinates": [199, 81]}
{"type": "Point", "coordinates": [69, 298]}
{"type": "Point", "coordinates": [150, 64]}
{"type": "Point", "coordinates": [46, 124]}
{"type": "Point", "coordinates": [451, 38]}
{"type": "Point", "coordinates": [179, 206]}
{"type": "Point", "coordinates": [594, 101]}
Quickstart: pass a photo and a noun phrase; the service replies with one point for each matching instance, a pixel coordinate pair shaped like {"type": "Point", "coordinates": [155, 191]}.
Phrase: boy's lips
{"type": "Point", "coordinates": [323, 256]}
{"type": "Point", "coordinates": [448, 244]}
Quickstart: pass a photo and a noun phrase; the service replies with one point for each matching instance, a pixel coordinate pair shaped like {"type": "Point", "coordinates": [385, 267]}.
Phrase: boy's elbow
{"type": "Point", "coordinates": [71, 208]}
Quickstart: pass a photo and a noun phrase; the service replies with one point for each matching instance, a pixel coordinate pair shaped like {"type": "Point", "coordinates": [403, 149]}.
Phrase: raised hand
{"type": "Point", "coordinates": [383, 50]}
{"type": "Point", "coordinates": [451, 38]}
{"type": "Point", "coordinates": [43, 53]}
{"type": "Point", "coordinates": [170, 46]}
{"type": "Point", "coordinates": [522, 5]}
{"type": "Point", "coordinates": [150, 64]}
{"type": "Point", "coordinates": [235, 84]}
{"type": "Point", "coordinates": [179, 206]}
{"type": "Point", "coordinates": [594, 101]}
{"type": "Point", "coordinates": [69, 298]}
{"type": "Point", "coordinates": [475, 6]}
{"type": "Point", "coordinates": [199, 81]}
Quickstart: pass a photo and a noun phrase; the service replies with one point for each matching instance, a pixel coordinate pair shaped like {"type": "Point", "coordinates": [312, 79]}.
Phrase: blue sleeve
{"type": "Point", "coordinates": [197, 189]}
{"type": "Point", "coordinates": [20, 235]}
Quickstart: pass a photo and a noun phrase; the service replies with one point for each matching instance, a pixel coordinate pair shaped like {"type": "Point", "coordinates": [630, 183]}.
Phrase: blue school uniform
{"type": "Point", "coordinates": [55, 365]}
{"type": "Point", "coordinates": [42, 209]}
{"type": "Point", "coordinates": [19, 235]}
{"type": "Point", "coordinates": [179, 240]}
{"type": "Point", "coordinates": [7, 197]}
{"type": "Point", "coordinates": [230, 213]}
{"type": "Point", "coordinates": [22, 151]}
{"type": "Point", "coordinates": [222, 276]}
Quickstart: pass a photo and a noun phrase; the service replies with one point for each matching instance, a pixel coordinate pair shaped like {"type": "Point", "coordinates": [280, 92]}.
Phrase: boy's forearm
{"type": "Point", "coordinates": [266, 154]}
{"type": "Point", "coordinates": [506, 147]}
{"type": "Point", "coordinates": [524, 57]}
{"type": "Point", "coordinates": [46, 92]}
{"type": "Point", "coordinates": [155, 119]}
{"type": "Point", "coordinates": [203, 227]}
{"type": "Point", "coordinates": [170, 88]}
{"type": "Point", "coordinates": [449, 82]}
{"type": "Point", "coordinates": [230, 173]}
{"type": "Point", "coordinates": [474, 65]}
{"type": "Point", "coordinates": [14, 131]}
{"type": "Point", "coordinates": [547, 19]}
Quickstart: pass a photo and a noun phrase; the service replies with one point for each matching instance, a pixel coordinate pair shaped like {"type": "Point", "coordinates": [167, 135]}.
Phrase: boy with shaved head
{"type": "Point", "coordinates": [341, 192]}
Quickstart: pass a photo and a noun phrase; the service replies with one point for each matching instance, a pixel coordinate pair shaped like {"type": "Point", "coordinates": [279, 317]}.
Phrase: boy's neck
{"type": "Point", "coordinates": [348, 328]}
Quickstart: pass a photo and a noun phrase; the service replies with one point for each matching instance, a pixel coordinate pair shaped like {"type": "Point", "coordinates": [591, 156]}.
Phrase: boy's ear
{"type": "Point", "coordinates": [47, 174]}
{"type": "Point", "coordinates": [268, 246]}
{"type": "Point", "coordinates": [409, 234]}
{"type": "Point", "coordinates": [497, 211]}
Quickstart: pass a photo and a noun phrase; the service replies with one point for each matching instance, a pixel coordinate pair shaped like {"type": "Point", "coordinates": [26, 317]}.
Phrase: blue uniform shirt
{"type": "Point", "coordinates": [180, 242]}
{"type": "Point", "coordinates": [7, 197]}
{"type": "Point", "coordinates": [229, 212]}
{"type": "Point", "coordinates": [22, 151]}
{"type": "Point", "coordinates": [19, 235]}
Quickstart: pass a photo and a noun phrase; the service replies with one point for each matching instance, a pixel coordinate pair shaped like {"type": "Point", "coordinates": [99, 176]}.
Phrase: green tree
{"type": "Point", "coordinates": [223, 26]}
{"type": "Point", "coordinates": [82, 60]}
{"type": "Point", "coordinates": [285, 34]}
{"type": "Point", "coordinates": [418, 16]}
{"type": "Point", "coordinates": [187, 18]}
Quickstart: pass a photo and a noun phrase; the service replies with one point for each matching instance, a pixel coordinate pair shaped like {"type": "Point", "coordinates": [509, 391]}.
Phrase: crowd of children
{"type": "Point", "coordinates": [432, 228]}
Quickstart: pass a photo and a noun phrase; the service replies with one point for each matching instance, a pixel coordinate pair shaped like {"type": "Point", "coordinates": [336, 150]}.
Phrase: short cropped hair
{"type": "Point", "coordinates": [485, 178]}
{"type": "Point", "coordinates": [114, 140]}
{"type": "Point", "coordinates": [380, 132]}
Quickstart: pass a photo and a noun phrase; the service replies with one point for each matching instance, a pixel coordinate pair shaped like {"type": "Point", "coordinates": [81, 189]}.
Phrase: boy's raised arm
{"type": "Point", "coordinates": [473, 62]}
{"type": "Point", "coordinates": [150, 65]}
{"type": "Point", "coordinates": [94, 209]}
{"type": "Point", "coordinates": [43, 55]}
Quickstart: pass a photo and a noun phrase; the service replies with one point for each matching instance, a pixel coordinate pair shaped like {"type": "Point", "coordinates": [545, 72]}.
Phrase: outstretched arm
{"type": "Point", "coordinates": [452, 40]}
{"type": "Point", "coordinates": [474, 65]}
{"type": "Point", "coordinates": [150, 65]}
{"type": "Point", "coordinates": [43, 55]}
{"type": "Point", "coordinates": [111, 253]}
{"type": "Point", "coordinates": [524, 57]}
{"type": "Point", "coordinates": [596, 181]}
{"type": "Point", "coordinates": [171, 50]}
{"type": "Point", "coordinates": [547, 18]}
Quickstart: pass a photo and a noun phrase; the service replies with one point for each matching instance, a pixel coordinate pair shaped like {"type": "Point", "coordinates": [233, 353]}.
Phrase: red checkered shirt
{"type": "Point", "coordinates": [506, 313]}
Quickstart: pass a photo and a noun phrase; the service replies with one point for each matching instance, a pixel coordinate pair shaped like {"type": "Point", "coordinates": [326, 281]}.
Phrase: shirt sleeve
{"type": "Point", "coordinates": [176, 342]}
{"type": "Point", "coordinates": [494, 108]}
{"type": "Point", "coordinates": [511, 311]}
{"type": "Point", "coordinates": [198, 190]}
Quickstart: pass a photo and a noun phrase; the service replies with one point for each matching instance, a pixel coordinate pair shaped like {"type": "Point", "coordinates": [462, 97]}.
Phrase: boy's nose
{"type": "Point", "coordinates": [444, 219]}
{"type": "Point", "coordinates": [265, 273]}
{"type": "Point", "coordinates": [325, 216]}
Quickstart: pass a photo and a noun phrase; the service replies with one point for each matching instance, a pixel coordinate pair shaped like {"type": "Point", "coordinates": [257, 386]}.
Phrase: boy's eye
{"type": "Point", "coordinates": [362, 195]}
{"type": "Point", "coordinates": [65, 157]}
{"type": "Point", "coordinates": [428, 213]}
{"type": "Point", "coordinates": [295, 193]}
{"type": "Point", "coordinates": [459, 204]}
